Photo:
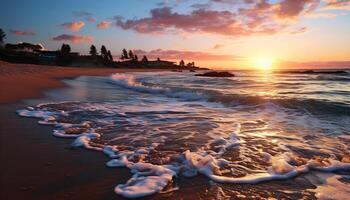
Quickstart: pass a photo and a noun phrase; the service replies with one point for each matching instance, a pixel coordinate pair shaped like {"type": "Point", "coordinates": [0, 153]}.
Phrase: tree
{"type": "Point", "coordinates": [190, 64]}
{"type": "Point", "coordinates": [110, 57]}
{"type": "Point", "coordinates": [64, 57]}
{"type": "Point", "coordinates": [182, 63]}
{"type": "Point", "coordinates": [144, 59]}
{"type": "Point", "coordinates": [124, 54]}
{"type": "Point", "coordinates": [93, 50]}
{"type": "Point", "coordinates": [104, 52]}
{"type": "Point", "coordinates": [2, 35]}
{"type": "Point", "coordinates": [65, 49]}
{"type": "Point", "coordinates": [131, 55]}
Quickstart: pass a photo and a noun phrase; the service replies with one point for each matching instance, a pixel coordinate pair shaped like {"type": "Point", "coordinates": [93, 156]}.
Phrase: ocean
{"type": "Point", "coordinates": [257, 135]}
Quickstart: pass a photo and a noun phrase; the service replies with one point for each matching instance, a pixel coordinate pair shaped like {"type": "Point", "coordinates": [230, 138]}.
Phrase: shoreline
{"type": "Point", "coordinates": [25, 81]}
{"type": "Point", "coordinates": [35, 164]}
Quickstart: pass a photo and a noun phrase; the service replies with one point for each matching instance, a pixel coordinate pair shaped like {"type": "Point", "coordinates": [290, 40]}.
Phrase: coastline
{"type": "Point", "coordinates": [39, 166]}
{"type": "Point", "coordinates": [35, 165]}
{"type": "Point", "coordinates": [24, 81]}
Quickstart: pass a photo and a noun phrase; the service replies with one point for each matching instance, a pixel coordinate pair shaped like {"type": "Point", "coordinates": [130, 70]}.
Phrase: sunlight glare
{"type": "Point", "coordinates": [263, 63]}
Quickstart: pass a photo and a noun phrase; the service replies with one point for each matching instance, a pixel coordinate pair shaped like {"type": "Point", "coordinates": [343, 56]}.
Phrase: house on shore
{"type": "Point", "coordinates": [161, 63]}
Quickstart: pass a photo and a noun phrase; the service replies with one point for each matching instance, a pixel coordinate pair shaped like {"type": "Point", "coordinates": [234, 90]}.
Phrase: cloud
{"type": "Point", "coordinates": [84, 15]}
{"type": "Point", "coordinates": [73, 26]}
{"type": "Point", "coordinates": [258, 19]}
{"type": "Point", "coordinates": [299, 30]}
{"type": "Point", "coordinates": [337, 5]}
{"type": "Point", "coordinates": [22, 32]}
{"type": "Point", "coordinates": [104, 24]}
{"type": "Point", "coordinates": [186, 55]}
{"type": "Point", "coordinates": [74, 38]}
{"type": "Point", "coordinates": [237, 18]}
{"type": "Point", "coordinates": [325, 15]}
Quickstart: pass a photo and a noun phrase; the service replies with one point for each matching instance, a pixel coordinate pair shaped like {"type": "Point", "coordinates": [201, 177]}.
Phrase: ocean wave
{"type": "Point", "coordinates": [333, 78]}
{"type": "Point", "coordinates": [150, 178]}
{"type": "Point", "coordinates": [314, 106]}
{"type": "Point", "coordinates": [129, 81]}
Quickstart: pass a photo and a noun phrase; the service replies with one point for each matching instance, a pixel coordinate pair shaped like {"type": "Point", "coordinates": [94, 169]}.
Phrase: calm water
{"type": "Point", "coordinates": [241, 134]}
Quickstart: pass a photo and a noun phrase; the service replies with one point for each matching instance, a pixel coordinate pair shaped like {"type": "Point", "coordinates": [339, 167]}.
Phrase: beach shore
{"type": "Point", "coordinates": [35, 165]}
{"type": "Point", "coordinates": [22, 81]}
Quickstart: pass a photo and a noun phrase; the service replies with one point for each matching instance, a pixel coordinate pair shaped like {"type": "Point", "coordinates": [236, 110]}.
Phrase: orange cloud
{"type": "Point", "coordinates": [103, 24]}
{"type": "Point", "coordinates": [250, 17]}
{"type": "Point", "coordinates": [74, 38]}
{"type": "Point", "coordinates": [73, 26]}
{"type": "Point", "coordinates": [22, 32]}
{"type": "Point", "coordinates": [337, 5]}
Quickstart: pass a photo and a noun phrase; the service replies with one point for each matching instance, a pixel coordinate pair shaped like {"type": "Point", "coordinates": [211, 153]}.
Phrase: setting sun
{"type": "Point", "coordinates": [263, 63]}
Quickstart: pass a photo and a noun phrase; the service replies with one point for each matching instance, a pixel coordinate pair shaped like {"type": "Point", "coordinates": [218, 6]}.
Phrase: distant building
{"type": "Point", "coordinates": [45, 56]}
{"type": "Point", "coordinates": [24, 47]}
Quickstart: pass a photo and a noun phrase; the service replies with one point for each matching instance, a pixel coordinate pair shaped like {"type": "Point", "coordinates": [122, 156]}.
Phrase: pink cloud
{"type": "Point", "coordinates": [73, 26]}
{"type": "Point", "coordinates": [74, 38]}
{"type": "Point", "coordinates": [299, 30]}
{"type": "Point", "coordinates": [104, 24]}
{"type": "Point", "coordinates": [186, 55]}
{"type": "Point", "coordinates": [258, 19]}
{"type": "Point", "coordinates": [250, 17]}
{"type": "Point", "coordinates": [22, 32]}
{"type": "Point", "coordinates": [337, 5]}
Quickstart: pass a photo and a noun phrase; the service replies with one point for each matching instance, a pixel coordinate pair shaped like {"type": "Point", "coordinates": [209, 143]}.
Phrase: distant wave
{"type": "Point", "coordinates": [333, 78]}
{"type": "Point", "coordinates": [128, 81]}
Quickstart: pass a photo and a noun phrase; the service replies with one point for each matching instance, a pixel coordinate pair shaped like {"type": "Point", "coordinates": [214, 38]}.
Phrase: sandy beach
{"type": "Point", "coordinates": [19, 81]}
{"type": "Point", "coordinates": [34, 164]}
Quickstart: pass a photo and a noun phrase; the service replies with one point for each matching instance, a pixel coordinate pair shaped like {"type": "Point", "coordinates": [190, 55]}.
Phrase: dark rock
{"type": "Point", "coordinates": [216, 74]}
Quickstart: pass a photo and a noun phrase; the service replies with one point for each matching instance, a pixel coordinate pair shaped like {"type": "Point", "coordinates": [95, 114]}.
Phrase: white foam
{"type": "Point", "coordinates": [147, 179]}
{"type": "Point", "coordinates": [47, 117]}
{"type": "Point", "coordinates": [84, 141]}
{"type": "Point", "coordinates": [122, 162]}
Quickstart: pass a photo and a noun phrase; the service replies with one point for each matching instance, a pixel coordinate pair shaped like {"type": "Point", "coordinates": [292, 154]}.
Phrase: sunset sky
{"type": "Point", "coordinates": [213, 33]}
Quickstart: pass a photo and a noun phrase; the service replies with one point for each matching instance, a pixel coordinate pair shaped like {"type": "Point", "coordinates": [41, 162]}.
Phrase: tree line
{"type": "Point", "coordinates": [104, 53]}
